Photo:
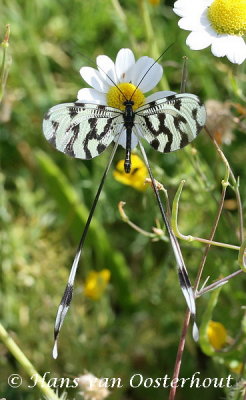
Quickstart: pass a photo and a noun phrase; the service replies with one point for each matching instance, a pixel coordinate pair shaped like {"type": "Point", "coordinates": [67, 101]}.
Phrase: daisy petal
{"type": "Point", "coordinates": [107, 70]}
{"type": "Point", "coordinates": [236, 51]}
{"type": "Point", "coordinates": [93, 78]}
{"type": "Point", "coordinates": [192, 23]}
{"type": "Point", "coordinates": [189, 24]}
{"type": "Point", "coordinates": [125, 60]}
{"type": "Point", "coordinates": [186, 8]}
{"type": "Point", "coordinates": [145, 65]}
{"type": "Point", "coordinates": [233, 47]}
{"type": "Point", "coordinates": [159, 95]}
{"type": "Point", "coordinates": [91, 96]}
{"type": "Point", "coordinates": [199, 40]}
{"type": "Point", "coordinates": [219, 46]}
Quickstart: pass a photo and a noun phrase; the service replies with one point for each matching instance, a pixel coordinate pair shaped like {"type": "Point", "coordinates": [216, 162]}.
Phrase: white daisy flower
{"type": "Point", "coordinates": [220, 24]}
{"type": "Point", "coordinates": [128, 75]}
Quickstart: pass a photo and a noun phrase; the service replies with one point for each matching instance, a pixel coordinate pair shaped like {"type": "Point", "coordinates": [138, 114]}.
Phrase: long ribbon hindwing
{"type": "Point", "coordinates": [86, 130]}
{"type": "Point", "coordinates": [81, 130]}
{"type": "Point", "coordinates": [171, 123]}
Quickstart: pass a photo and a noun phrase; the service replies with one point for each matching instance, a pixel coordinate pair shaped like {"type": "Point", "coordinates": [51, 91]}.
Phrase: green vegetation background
{"type": "Point", "coordinates": [135, 326]}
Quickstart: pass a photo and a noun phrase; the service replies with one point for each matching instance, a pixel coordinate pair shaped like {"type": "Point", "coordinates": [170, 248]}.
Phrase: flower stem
{"type": "Point", "coordinates": [122, 16]}
{"type": "Point", "coordinates": [242, 256]}
{"type": "Point", "coordinates": [5, 65]}
{"type": "Point", "coordinates": [184, 75]}
{"type": "Point", "coordinates": [131, 224]}
{"type": "Point", "coordinates": [161, 188]}
{"type": "Point", "coordinates": [218, 283]}
{"type": "Point", "coordinates": [213, 230]}
{"type": "Point", "coordinates": [190, 238]}
{"type": "Point", "coordinates": [180, 351]}
{"type": "Point", "coordinates": [151, 38]}
{"type": "Point", "coordinates": [235, 186]}
{"type": "Point", "coordinates": [25, 363]}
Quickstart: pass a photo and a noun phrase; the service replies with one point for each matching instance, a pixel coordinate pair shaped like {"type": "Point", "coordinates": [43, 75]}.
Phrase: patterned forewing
{"type": "Point", "coordinates": [171, 123]}
{"type": "Point", "coordinates": [81, 130]}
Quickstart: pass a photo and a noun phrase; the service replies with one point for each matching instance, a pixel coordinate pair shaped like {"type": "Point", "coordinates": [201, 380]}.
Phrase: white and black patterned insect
{"type": "Point", "coordinates": [84, 131]}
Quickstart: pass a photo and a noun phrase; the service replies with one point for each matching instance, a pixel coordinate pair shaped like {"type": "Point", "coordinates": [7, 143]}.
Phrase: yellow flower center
{"type": "Point", "coordinates": [116, 96]}
{"type": "Point", "coordinates": [228, 16]}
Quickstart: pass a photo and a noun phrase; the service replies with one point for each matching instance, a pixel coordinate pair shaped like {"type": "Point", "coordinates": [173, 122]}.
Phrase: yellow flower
{"type": "Point", "coordinates": [217, 334]}
{"type": "Point", "coordinates": [136, 177]}
{"type": "Point", "coordinates": [96, 283]}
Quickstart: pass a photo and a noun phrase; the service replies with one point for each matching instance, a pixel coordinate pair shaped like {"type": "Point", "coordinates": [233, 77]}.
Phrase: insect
{"type": "Point", "coordinates": [84, 130]}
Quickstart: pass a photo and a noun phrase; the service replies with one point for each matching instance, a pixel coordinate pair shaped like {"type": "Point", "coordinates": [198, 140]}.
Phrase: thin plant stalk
{"type": "Point", "coordinates": [5, 64]}
{"type": "Point", "coordinates": [151, 38]}
{"type": "Point", "coordinates": [122, 16]}
{"type": "Point", "coordinates": [179, 355]}
{"type": "Point", "coordinates": [235, 184]}
{"type": "Point", "coordinates": [218, 283]}
{"type": "Point", "coordinates": [242, 256]}
{"type": "Point", "coordinates": [26, 364]}
{"type": "Point", "coordinates": [130, 223]}
{"type": "Point", "coordinates": [191, 238]}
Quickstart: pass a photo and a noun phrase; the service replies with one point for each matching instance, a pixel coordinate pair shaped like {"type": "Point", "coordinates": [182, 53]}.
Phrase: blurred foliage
{"type": "Point", "coordinates": [135, 326]}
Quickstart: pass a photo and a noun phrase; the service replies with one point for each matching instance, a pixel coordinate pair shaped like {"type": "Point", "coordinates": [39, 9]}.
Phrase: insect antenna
{"type": "Point", "coordinates": [182, 271]}
{"type": "Point", "coordinates": [93, 62]}
{"type": "Point", "coordinates": [141, 80]}
{"type": "Point", "coordinates": [68, 293]}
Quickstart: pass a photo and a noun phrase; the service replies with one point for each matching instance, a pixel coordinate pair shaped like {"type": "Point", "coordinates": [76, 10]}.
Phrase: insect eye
{"type": "Point", "coordinates": [128, 102]}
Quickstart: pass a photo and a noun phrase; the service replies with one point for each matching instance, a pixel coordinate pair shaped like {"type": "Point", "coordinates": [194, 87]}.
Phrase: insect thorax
{"type": "Point", "coordinates": [128, 114]}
